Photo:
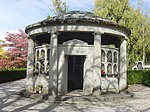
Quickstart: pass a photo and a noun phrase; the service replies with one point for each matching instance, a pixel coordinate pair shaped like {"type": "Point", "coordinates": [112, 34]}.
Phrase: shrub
{"type": "Point", "coordinates": [139, 77]}
{"type": "Point", "coordinates": [12, 74]}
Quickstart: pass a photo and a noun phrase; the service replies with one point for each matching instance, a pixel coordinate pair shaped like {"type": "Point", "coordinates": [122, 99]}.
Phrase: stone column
{"type": "Point", "coordinates": [30, 65]}
{"type": "Point", "coordinates": [53, 75]}
{"type": "Point", "coordinates": [88, 74]}
{"type": "Point", "coordinates": [97, 64]}
{"type": "Point", "coordinates": [62, 88]}
{"type": "Point", "coordinates": [123, 66]}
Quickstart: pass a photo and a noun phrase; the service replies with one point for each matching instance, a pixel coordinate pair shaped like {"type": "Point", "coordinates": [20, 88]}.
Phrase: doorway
{"type": "Point", "coordinates": [75, 72]}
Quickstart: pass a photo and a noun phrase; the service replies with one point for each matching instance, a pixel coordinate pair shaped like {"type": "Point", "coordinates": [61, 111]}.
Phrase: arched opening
{"type": "Point", "coordinates": [109, 56]}
{"type": "Point", "coordinates": [115, 57]}
{"type": "Point", "coordinates": [102, 55]}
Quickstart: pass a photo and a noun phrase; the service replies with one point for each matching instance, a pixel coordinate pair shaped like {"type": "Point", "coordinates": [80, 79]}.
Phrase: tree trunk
{"type": "Point", "coordinates": [144, 54]}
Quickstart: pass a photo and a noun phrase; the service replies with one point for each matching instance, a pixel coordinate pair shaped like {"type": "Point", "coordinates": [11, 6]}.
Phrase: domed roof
{"type": "Point", "coordinates": [75, 17]}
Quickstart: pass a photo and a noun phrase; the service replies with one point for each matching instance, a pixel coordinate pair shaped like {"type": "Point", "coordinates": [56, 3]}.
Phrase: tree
{"type": "Point", "coordinates": [111, 9]}
{"type": "Point", "coordinates": [120, 12]}
{"type": "Point", "coordinates": [2, 52]}
{"type": "Point", "coordinates": [145, 26]}
{"type": "Point", "coordinates": [59, 7]}
{"type": "Point", "coordinates": [17, 51]}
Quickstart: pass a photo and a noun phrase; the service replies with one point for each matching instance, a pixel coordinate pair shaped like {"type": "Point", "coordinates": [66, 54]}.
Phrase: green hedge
{"type": "Point", "coordinates": [134, 76]}
{"type": "Point", "coordinates": [12, 74]}
{"type": "Point", "coordinates": [139, 77]}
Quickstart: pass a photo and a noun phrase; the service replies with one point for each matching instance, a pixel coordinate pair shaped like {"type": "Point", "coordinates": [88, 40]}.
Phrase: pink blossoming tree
{"type": "Point", "coordinates": [16, 55]}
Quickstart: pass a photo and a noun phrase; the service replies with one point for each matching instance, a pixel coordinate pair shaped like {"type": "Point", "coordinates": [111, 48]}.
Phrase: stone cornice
{"type": "Point", "coordinates": [74, 17]}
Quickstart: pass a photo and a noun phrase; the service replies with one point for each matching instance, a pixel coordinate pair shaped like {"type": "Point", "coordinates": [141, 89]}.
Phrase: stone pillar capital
{"type": "Point", "coordinates": [55, 33]}
{"type": "Point", "coordinates": [97, 33]}
{"type": "Point", "coordinates": [126, 38]}
{"type": "Point", "coordinates": [28, 36]}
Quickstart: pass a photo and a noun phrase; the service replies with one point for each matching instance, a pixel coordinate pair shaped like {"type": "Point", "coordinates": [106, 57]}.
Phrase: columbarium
{"type": "Point", "coordinates": [76, 51]}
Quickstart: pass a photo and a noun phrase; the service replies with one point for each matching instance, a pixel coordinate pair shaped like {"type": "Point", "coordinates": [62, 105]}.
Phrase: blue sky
{"type": "Point", "coordinates": [17, 14]}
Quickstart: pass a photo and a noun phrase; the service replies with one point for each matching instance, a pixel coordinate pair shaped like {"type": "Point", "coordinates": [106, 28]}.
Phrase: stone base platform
{"type": "Point", "coordinates": [75, 97]}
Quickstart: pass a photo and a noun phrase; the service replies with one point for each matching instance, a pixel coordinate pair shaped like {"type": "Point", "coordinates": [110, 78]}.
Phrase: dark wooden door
{"type": "Point", "coordinates": [75, 72]}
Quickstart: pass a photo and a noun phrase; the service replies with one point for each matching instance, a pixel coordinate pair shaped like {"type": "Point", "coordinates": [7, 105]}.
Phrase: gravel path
{"type": "Point", "coordinates": [10, 101]}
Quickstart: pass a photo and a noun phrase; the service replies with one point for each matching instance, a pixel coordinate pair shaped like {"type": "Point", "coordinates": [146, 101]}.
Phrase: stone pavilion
{"type": "Point", "coordinates": [76, 51]}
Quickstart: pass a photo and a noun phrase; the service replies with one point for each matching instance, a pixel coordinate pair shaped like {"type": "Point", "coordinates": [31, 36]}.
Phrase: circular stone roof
{"type": "Point", "coordinates": [75, 17]}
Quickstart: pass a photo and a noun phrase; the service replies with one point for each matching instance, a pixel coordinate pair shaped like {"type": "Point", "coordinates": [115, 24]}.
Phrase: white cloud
{"type": "Point", "coordinates": [17, 14]}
